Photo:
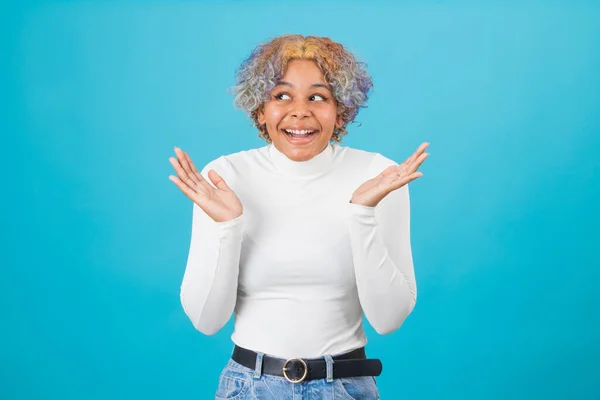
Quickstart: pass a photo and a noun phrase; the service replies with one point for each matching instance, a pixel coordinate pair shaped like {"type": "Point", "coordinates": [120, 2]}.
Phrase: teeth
{"type": "Point", "coordinates": [299, 132]}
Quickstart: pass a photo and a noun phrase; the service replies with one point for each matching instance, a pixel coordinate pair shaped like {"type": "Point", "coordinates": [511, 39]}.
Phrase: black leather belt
{"type": "Point", "coordinates": [295, 370]}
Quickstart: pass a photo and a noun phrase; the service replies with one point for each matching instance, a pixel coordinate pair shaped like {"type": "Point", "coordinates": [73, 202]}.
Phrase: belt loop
{"type": "Point", "coordinates": [258, 367]}
{"type": "Point", "coordinates": [329, 362]}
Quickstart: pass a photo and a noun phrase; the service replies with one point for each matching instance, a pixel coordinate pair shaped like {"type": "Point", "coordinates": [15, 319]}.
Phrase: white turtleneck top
{"type": "Point", "coordinates": [302, 264]}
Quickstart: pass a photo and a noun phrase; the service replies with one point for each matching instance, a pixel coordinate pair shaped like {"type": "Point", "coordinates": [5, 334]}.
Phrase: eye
{"type": "Point", "coordinates": [280, 96]}
{"type": "Point", "coordinates": [315, 97]}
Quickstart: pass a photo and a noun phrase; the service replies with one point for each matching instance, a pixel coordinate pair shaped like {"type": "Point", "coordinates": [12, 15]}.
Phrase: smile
{"type": "Point", "coordinates": [300, 137]}
{"type": "Point", "coordinates": [299, 133]}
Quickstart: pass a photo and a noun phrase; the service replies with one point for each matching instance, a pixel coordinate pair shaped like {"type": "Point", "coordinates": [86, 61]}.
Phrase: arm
{"type": "Point", "coordinates": [209, 288]}
{"type": "Point", "coordinates": [383, 265]}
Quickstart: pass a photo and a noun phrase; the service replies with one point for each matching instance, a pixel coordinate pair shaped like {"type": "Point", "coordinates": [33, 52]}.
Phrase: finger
{"type": "Point", "coordinates": [408, 178]}
{"type": "Point", "coordinates": [415, 175]}
{"type": "Point", "coordinates": [183, 160]}
{"type": "Point", "coordinates": [189, 192]}
{"type": "Point", "coordinates": [394, 183]}
{"type": "Point", "coordinates": [193, 169]}
{"type": "Point", "coordinates": [200, 178]}
{"type": "Point", "coordinates": [417, 153]}
{"type": "Point", "coordinates": [183, 176]}
{"type": "Point", "coordinates": [417, 163]}
{"type": "Point", "coordinates": [192, 166]}
{"type": "Point", "coordinates": [218, 181]}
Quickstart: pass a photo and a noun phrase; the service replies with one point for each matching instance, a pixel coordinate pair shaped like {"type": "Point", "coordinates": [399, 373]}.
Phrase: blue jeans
{"type": "Point", "coordinates": [240, 383]}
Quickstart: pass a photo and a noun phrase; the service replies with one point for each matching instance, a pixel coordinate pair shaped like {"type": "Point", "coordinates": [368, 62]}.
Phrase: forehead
{"type": "Point", "coordinates": [303, 72]}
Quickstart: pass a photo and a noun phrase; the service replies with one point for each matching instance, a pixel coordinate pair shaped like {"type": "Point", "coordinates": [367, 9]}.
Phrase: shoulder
{"type": "Point", "coordinates": [374, 163]}
{"type": "Point", "coordinates": [228, 165]}
{"type": "Point", "coordinates": [370, 161]}
{"type": "Point", "coordinates": [246, 157]}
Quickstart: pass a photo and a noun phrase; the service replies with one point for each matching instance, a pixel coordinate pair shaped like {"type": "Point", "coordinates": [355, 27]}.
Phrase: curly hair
{"type": "Point", "coordinates": [258, 74]}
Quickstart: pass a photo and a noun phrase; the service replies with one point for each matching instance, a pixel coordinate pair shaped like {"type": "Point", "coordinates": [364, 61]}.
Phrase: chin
{"type": "Point", "coordinates": [301, 155]}
{"type": "Point", "coordinates": [301, 152]}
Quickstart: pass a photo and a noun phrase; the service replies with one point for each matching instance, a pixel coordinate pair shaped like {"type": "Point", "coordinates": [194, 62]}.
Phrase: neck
{"type": "Point", "coordinates": [314, 166]}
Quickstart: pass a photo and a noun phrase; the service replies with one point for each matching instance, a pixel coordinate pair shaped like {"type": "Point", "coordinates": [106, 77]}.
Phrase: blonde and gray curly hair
{"type": "Point", "coordinates": [258, 74]}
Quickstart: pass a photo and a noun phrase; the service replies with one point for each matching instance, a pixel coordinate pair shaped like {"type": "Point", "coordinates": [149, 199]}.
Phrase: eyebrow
{"type": "Point", "coordinates": [314, 85]}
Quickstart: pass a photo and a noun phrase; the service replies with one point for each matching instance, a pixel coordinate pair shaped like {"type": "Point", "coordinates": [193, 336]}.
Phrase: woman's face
{"type": "Point", "coordinates": [301, 113]}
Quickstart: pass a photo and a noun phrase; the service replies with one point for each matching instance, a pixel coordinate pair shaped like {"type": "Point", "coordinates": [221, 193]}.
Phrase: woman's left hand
{"type": "Point", "coordinates": [394, 177]}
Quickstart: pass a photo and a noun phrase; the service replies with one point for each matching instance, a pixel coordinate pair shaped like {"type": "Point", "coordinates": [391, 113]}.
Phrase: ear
{"type": "Point", "coordinates": [339, 121]}
{"type": "Point", "coordinates": [260, 114]}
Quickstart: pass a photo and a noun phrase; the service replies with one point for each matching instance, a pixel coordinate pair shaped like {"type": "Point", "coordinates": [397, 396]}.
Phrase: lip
{"type": "Point", "coordinates": [300, 128]}
{"type": "Point", "coordinates": [303, 140]}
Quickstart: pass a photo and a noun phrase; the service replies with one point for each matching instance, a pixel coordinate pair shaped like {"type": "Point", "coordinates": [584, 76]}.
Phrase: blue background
{"type": "Point", "coordinates": [505, 220]}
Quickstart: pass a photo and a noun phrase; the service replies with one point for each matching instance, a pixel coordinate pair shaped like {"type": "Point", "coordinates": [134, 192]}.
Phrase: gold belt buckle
{"type": "Point", "coordinates": [285, 369]}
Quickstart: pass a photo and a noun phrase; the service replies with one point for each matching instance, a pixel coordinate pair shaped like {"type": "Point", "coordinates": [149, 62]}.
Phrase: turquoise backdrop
{"type": "Point", "coordinates": [505, 221]}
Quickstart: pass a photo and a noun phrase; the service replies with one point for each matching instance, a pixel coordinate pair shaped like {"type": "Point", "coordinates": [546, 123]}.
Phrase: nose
{"type": "Point", "coordinates": [300, 110]}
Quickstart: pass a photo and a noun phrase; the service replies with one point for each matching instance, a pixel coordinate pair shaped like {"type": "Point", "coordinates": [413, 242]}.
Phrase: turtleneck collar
{"type": "Point", "coordinates": [316, 165]}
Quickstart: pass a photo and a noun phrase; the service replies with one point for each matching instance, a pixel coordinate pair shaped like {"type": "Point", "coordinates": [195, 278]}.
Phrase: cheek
{"type": "Point", "coordinates": [327, 115]}
{"type": "Point", "coordinates": [274, 114]}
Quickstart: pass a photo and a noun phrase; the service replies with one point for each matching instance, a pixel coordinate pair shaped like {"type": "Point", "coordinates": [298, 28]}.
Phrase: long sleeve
{"type": "Point", "coordinates": [209, 287]}
{"type": "Point", "coordinates": [383, 264]}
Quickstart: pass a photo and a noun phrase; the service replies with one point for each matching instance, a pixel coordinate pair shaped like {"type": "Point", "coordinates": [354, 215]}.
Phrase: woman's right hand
{"type": "Point", "coordinates": [220, 203]}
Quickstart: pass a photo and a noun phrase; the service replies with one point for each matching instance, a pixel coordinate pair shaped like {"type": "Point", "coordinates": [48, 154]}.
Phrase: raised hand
{"type": "Point", "coordinates": [220, 203]}
{"type": "Point", "coordinates": [394, 177]}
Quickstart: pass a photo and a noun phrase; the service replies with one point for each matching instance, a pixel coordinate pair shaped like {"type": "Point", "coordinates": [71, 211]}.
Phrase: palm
{"type": "Point", "coordinates": [220, 202]}
{"type": "Point", "coordinates": [394, 177]}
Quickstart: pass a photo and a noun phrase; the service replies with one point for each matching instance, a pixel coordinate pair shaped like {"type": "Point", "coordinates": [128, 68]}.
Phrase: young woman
{"type": "Point", "coordinates": [300, 237]}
